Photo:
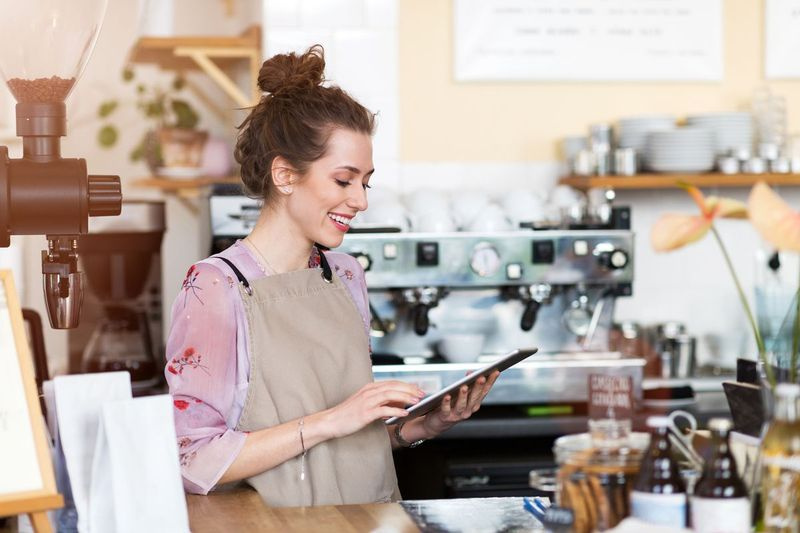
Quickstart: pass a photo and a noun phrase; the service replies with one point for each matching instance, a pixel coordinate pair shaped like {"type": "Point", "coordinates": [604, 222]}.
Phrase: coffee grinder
{"type": "Point", "coordinates": [46, 46]}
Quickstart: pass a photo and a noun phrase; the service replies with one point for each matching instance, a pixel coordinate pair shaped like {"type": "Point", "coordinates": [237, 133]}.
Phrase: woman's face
{"type": "Point", "coordinates": [334, 189]}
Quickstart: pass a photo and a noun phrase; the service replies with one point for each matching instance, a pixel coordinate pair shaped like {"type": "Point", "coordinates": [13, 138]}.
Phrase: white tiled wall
{"type": "Point", "coordinates": [360, 41]}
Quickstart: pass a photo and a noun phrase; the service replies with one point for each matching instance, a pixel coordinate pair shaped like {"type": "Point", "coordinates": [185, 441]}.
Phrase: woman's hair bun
{"type": "Point", "coordinates": [291, 72]}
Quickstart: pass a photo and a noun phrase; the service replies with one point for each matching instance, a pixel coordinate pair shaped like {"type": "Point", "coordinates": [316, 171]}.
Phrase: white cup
{"type": "Point", "coordinates": [490, 219]}
{"type": "Point", "coordinates": [522, 206]}
{"type": "Point", "coordinates": [389, 214]}
{"type": "Point", "coordinates": [466, 205]}
{"type": "Point", "coordinates": [438, 221]}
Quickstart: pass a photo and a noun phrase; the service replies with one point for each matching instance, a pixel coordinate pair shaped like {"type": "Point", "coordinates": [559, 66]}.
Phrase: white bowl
{"type": "Point", "coordinates": [461, 347]}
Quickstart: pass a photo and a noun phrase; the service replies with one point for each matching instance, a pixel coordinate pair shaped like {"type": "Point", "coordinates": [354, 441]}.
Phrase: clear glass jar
{"type": "Point", "coordinates": [596, 472]}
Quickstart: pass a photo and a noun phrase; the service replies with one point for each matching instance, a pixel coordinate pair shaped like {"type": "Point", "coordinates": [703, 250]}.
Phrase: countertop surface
{"type": "Point", "coordinates": [241, 509]}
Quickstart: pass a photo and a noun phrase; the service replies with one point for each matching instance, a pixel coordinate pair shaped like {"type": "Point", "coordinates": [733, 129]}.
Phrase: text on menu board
{"type": "Point", "coordinates": [588, 40]}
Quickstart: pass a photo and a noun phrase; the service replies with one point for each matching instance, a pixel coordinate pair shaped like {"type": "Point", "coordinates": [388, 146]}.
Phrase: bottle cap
{"type": "Point", "coordinates": [658, 421]}
{"type": "Point", "coordinates": [723, 425]}
{"type": "Point", "coordinates": [787, 389]}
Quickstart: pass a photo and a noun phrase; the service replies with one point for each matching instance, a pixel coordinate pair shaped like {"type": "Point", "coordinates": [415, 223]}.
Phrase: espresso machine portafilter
{"type": "Point", "coordinates": [43, 193]}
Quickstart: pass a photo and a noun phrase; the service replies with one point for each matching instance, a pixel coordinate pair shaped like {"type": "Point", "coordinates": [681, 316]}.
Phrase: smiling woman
{"type": "Point", "coordinates": [268, 355]}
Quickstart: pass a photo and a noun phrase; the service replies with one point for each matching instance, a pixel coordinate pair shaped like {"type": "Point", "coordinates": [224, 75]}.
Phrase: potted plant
{"type": "Point", "coordinates": [779, 225]}
{"type": "Point", "coordinates": [173, 145]}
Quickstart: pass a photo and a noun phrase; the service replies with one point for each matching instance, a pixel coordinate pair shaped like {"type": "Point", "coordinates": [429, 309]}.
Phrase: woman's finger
{"type": "Point", "coordinates": [390, 396]}
{"type": "Point", "coordinates": [386, 411]}
{"type": "Point", "coordinates": [446, 408]}
{"type": "Point", "coordinates": [490, 383]}
{"type": "Point", "coordinates": [476, 392]}
{"type": "Point", "coordinates": [461, 402]}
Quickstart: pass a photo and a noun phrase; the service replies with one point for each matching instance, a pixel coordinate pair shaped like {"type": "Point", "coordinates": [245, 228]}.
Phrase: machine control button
{"type": "Point", "coordinates": [390, 250]}
{"type": "Point", "coordinates": [513, 271]}
{"type": "Point", "coordinates": [485, 260]}
{"type": "Point", "coordinates": [364, 260]}
{"type": "Point", "coordinates": [580, 248]}
{"type": "Point", "coordinates": [613, 260]}
{"type": "Point", "coordinates": [427, 254]}
{"type": "Point", "coordinates": [544, 252]}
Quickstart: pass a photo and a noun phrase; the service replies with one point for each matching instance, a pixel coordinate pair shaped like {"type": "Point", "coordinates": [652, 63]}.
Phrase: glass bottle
{"type": "Point", "coordinates": [780, 462]}
{"type": "Point", "coordinates": [720, 501]}
{"type": "Point", "coordinates": [659, 494]}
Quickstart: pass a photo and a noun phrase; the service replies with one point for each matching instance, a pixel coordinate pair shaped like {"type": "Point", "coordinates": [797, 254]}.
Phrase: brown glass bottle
{"type": "Point", "coordinates": [659, 494]}
{"type": "Point", "coordinates": [720, 501]}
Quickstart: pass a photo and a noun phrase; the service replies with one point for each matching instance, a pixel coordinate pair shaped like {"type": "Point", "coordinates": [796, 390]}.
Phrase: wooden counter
{"type": "Point", "coordinates": [243, 510]}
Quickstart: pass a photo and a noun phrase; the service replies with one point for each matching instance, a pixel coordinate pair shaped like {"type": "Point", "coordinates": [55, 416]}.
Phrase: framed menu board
{"type": "Point", "coordinates": [588, 40]}
{"type": "Point", "coordinates": [27, 483]}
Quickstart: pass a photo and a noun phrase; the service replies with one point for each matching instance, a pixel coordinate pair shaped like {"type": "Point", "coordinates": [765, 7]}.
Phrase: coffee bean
{"type": "Point", "coordinates": [52, 89]}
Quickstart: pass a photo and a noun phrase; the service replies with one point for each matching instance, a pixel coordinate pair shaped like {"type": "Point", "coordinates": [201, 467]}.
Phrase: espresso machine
{"type": "Point", "coordinates": [554, 289]}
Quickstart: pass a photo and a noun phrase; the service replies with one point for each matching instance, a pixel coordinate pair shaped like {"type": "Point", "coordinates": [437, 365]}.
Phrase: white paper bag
{"type": "Point", "coordinates": [136, 479]}
{"type": "Point", "coordinates": [79, 399]}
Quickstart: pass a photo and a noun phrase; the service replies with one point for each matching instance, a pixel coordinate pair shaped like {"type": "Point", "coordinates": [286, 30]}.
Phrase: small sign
{"type": "Point", "coordinates": [610, 396]}
{"type": "Point", "coordinates": [558, 519]}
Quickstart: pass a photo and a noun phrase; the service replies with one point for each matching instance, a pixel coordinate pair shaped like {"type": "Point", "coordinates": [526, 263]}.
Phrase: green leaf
{"type": "Point", "coordinates": [107, 136]}
{"type": "Point", "coordinates": [137, 153]}
{"type": "Point", "coordinates": [154, 109]}
{"type": "Point", "coordinates": [185, 115]}
{"type": "Point", "coordinates": [140, 88]}
{"type": "Point", "coordinates": [178, 83]}
{"type": "Point", "coordinates": [127, 74]}
{"type": "Point", "coordinates": [106, 108]}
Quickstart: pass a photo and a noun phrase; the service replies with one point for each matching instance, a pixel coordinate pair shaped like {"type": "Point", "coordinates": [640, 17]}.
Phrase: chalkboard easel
{"type": "Point", "coordinates": [28, 485]}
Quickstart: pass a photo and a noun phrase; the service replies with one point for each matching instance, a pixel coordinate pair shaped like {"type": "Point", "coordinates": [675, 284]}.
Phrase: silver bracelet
{"type": "Point", "coordinates": [403, 442]}
{"type": "Point", "coordinates": [303, 455]}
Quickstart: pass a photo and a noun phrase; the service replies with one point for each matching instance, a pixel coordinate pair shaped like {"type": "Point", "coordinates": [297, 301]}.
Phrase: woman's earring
{"type": "Point", "coordinates": [285, 189]}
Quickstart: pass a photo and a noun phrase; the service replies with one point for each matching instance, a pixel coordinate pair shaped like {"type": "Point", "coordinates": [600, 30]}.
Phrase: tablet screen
{"type": "Point", "coordinates": [432, 401]}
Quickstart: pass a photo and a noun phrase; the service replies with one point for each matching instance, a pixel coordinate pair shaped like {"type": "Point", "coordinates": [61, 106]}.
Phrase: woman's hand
{"type": "Point", "coordinates": [450, 413]}
{"type": "Point", "coordinates": [379, 400]}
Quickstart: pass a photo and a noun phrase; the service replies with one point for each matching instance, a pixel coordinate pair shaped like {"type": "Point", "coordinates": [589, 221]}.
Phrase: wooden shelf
{"type": "Point", "coordinates": [667, 181]}
{"type": "Point", "coordinates": [179, 184]}
{"type": "Point", "coordinates": [186, 191]}
{"type": "Point", "coordinates": [210, 54]}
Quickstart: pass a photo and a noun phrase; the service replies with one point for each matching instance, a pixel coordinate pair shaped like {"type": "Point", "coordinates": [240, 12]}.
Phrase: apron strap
{"type": "Point", "coordinates": [242, 280]}
{"type": "Point", "coordinates": [327, 274]}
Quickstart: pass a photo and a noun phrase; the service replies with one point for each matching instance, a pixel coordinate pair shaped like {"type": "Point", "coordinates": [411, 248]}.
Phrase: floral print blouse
{"type": "Point", "coordinates": [208, 365]}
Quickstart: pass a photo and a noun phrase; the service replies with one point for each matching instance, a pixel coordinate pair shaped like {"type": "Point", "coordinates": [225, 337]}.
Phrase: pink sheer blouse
{"type": "Point", "coordinates": [208, 365]}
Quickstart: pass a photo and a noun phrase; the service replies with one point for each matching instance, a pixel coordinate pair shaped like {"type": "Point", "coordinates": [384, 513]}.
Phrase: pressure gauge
{"type": "Point", "coordinates": [485, 260]}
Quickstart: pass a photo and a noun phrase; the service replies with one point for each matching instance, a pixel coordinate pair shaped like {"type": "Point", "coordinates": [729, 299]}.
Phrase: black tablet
{"type": "Point", "coordinates": [431, 402]}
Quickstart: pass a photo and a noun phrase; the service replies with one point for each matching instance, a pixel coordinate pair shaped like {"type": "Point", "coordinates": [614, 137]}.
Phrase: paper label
{"type": "Point", "coordinates": [721, 515]}
{"type": "Point", "coordinates": [610, 396]}
{"type": "Point", "coordinates": [661, 509]}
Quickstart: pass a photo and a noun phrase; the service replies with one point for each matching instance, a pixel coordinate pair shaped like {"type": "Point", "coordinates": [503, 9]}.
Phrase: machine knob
{"type": "Point", "coordinates": [529, 315]}
{"type": "Point", "coordinates": [419, 315]}
{"type": "Point", "coordinates": [613, 260]}
{"type": "Point", "coordinates": [105, 196]}
{"type": "Point", "coordinates": [364, 260]}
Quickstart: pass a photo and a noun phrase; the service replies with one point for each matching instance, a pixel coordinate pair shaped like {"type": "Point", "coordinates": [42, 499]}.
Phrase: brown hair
{"type": "Point", "coordinates": [294, 119]}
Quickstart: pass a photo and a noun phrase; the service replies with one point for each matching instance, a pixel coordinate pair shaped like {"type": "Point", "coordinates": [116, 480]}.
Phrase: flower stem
{"type": "Point", "coordinates": [762, 352]}
{"type": "Point", "coordinates": [795, 336]}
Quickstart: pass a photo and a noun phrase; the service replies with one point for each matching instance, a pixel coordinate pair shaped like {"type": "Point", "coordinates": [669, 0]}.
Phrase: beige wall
{"type": "Point", "coordinates": [524, 120]}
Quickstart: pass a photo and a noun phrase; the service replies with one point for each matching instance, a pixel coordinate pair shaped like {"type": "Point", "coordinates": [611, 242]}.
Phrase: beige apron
{"type": "Point", "coordinates": [309, 352]}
